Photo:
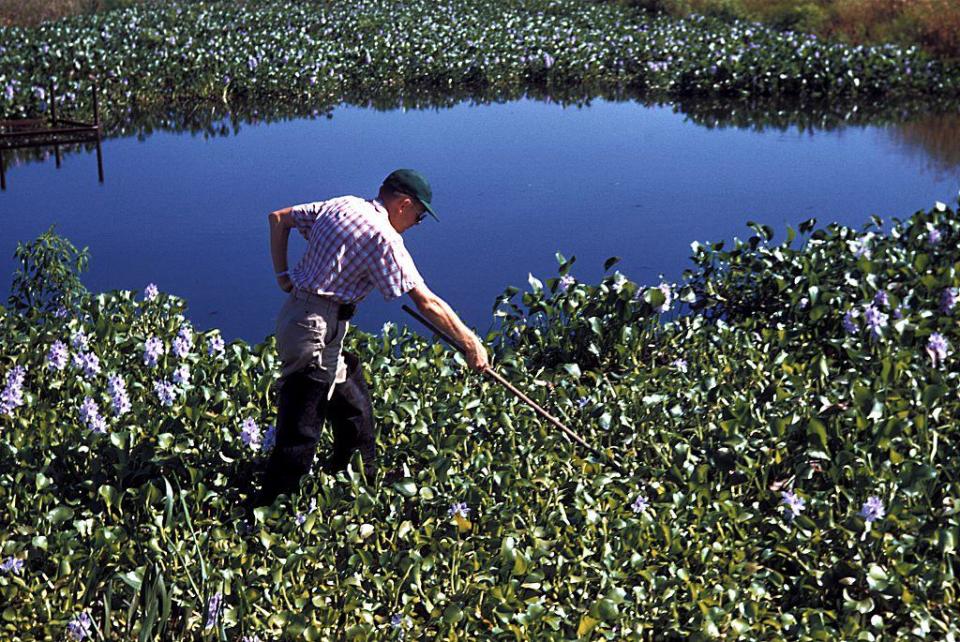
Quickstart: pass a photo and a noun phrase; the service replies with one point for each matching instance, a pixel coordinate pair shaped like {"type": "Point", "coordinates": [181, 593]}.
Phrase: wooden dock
{"type": "Point", "coordinates": [53, 132]}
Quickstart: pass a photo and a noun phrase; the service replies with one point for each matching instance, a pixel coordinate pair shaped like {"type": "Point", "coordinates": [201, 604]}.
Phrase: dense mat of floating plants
{"type": "Point", "coordinates": [311, 53]}
{"type": "Point", "coordinates": [787, 454]}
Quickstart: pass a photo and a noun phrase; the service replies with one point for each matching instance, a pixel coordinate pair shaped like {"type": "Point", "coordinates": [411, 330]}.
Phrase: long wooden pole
{"type": "Point", "coordinates": [509, 386]}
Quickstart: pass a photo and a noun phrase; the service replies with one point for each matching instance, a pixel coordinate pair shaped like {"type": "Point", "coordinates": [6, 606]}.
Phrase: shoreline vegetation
{"type": "Point", "coordinates": [932, 24]}
{"type": "Point", "coordinates": [789, 446]}
{"type": "Point", "coordinates": [272, 55]}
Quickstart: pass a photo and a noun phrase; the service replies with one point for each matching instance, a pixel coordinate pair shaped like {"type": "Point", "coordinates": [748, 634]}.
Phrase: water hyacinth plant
{"type": "Point", "coordinates": [780, 410]}
{"type": "Point", "coordinates": [872, 509]}
{"type": "Point", "coordinates": [794, 504]}
{"type": "Point", "coordinates": [58, 355]}
{"type": "Point", "coordinates": [12, 565]}
{"type": "Point", "coordinates": [12, 395]}
{"type": "Point", "coordinates": [250, 434]}
{"type": "Point", "coordinates": [79, 628]}
{"type": "Point", "coordinates": [152, 351]}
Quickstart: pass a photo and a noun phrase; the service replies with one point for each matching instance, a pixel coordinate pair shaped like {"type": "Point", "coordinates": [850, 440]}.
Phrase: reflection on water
{"type": "Point", "coordinates": [924, 125]}
{"type": "Point", "coordinates": [934, 137]}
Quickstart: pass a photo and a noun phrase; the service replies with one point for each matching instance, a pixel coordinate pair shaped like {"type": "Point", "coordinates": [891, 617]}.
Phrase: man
{"type": "Point", "coordinates": [354, 245]}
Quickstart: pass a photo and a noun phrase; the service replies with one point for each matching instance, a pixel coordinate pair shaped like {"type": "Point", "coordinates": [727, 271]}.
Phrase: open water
{"type": "Point", "coordinates": [513, 184]}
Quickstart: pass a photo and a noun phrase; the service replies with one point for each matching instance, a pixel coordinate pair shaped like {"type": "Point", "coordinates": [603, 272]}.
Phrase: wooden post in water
{"type": "Point", "coordinates": [96, 123]}
{"type": "Point", "coordinates": [53, 119]}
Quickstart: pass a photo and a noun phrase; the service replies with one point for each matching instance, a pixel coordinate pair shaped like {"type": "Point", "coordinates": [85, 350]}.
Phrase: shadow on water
{"type": "Point", "coordinates": [924, 126]}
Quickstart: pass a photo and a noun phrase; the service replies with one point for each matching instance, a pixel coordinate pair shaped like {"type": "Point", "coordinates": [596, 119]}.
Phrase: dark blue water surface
{"type": "Point", "coordinates": [513, 183]}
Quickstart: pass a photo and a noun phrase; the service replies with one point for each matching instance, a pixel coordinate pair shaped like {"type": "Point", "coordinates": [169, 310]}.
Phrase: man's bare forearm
{"type": "Point", "coordinates": [279, 235]}
{"type": "Point", "coordinates": [442, 315]}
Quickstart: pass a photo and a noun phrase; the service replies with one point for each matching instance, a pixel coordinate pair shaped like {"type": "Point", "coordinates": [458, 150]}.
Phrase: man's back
{"type": "Point", "coordinates": [352, 248]}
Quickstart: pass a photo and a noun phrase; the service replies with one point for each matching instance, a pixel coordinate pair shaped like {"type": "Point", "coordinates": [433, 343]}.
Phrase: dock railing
{"type": "Point", "coordinates": [53, 132]}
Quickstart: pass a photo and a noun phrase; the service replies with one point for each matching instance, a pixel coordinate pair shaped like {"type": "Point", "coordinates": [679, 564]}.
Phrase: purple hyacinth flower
{"type": "Point", "coordinates": [12, 565]}
{"type": "Point", "coordinates": [250, 434]}
{"type": "Point", "coordinates": [215, 345]}
{"type": "Point", "coordinates": [90, 415]}
{"type": "Point", "coordinates": [12, 395]}
{"type": "Point", "coordinates": [565, 283]}
{"type": "Point", "coordinates": [150, 292]}
{"type": "Point", "coordinates": [302, 517]}
{"type": "Point", "coordinates": [118, 393]}
{"type": "Point", "coordinates": [937, 347]}
{"type": "Point", "coordinates": [872, 509]}
{"type": "Point", "coordinates": [214, 605]}
{"type": "Point", "coordinates": [396, 621]}
{"type": "Point", "coordinates": [165, 392]}
{"type": "Point", "coordinates": [79, 627]}
{"type": "Point", "coordinates": [934, 236]}
{"type": "Point", "coordinates": [88, 362]}
{"type": "Point", "coordinates": [861, 246]}
{"type": "Point", "coordinates": [881, 299]}
{"type": "Point", "coordinates": [459, 508]}
{"type": "Point", "coordinates": [181, 376]}
{"type": "Point", "coordinates": [793, 502]}
{"type": "Point", "coordinates": [679, 364]}
{"type": "Point", "coordinates": [80, 340]}
{"type": "Point", "coordinates": [850, 321]}
{"type": "Point", "coordinates": [640, 504]}
{"type": "Point", "coordinates": [875, 320]}
{"type": "Point", "coordinates": [152, 350]}
{"type": "Point", "coordinates": [667, 298]}
{"type": "Point", "coordinates": [948, 300]}
{"type": "Point", "coordinates": [180, 348]}
{"type": "Point", "coordinates": [269, 439]}
{"type": "Point", "coordinates": [57, 356]}
{"type": "Point", "coordinates": [183, 342]}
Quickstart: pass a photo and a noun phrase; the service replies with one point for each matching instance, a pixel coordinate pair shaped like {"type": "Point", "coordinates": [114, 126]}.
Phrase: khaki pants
{"type": "Point", "coordinates": [314, 387]}
{"type": "Point", "coordinates": [309, 336]}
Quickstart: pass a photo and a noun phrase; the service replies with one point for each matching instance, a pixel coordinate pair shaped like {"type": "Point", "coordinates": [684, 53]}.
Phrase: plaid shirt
{"type": "Point", "coordinates": [352, 248]}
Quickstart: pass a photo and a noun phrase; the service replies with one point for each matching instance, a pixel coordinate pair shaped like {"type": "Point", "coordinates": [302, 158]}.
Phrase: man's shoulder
{"type": "Point", "coordinates": [360, 218]}
{"type": "Point", "coordinates": [347, 200]}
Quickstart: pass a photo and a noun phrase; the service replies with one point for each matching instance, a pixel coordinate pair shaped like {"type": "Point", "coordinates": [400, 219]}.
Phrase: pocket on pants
{"type": "Point", "coordinates": [301, 338]}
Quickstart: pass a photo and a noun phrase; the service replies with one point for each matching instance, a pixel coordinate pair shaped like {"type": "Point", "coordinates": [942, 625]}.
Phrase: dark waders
{"type": "Point", "coordinates": [302, 408]}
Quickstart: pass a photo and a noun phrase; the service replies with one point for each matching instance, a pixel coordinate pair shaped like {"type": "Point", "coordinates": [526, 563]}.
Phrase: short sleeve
{"type": "Point", "coordinates": [305, 215]}
{"type": "Point", "coordinates": [392, 270]}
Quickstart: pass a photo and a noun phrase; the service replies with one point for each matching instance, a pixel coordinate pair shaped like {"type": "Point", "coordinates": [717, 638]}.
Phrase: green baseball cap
{"type": "Point", "coordinates": [413, 183]}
